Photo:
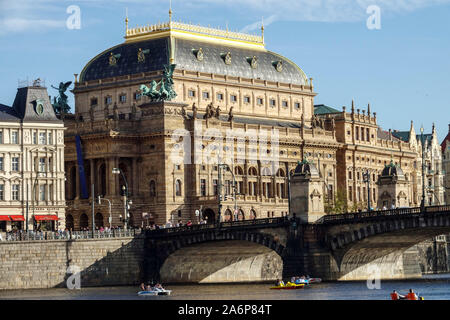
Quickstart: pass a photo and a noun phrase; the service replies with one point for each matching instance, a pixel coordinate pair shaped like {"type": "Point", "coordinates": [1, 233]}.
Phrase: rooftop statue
{"type": "Point", "coordinates": [60, 103]}
{"type": "Point", "coordinates": [165, 91]}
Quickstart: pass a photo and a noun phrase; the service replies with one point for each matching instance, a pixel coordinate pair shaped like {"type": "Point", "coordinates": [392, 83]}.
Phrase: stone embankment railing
{"type": "Point", "coordinates": [68, 235]}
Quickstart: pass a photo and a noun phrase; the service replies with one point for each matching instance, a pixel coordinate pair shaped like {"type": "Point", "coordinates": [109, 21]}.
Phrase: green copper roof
{"type": "Point", "coordinates": [323, 109]}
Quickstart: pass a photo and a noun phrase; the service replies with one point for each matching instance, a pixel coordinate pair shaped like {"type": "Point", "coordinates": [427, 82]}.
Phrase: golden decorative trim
{"type": "Point", "coordinates": [150, 31]}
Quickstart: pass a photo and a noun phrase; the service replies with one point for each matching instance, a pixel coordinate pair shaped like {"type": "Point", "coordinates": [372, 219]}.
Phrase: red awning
{"type": "Point", "coordinates": [4, 218]}
{"type": "Point", "coordinates": [17, 218]}
{"type": "Point", "coordinates": [45, 218]}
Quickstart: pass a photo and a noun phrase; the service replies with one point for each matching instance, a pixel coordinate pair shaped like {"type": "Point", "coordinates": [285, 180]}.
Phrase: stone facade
{"type": "Point", "coordinates": [120, 128]}
{"type": "Point", "coordinates": [31, 162]}
{"type": "Point", "coordinates": [45, 264]}
{"type": "Point", "coordinates": [446, 165]}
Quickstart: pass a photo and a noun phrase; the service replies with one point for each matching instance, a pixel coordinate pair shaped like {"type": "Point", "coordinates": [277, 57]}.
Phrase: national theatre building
{"type": "Point", "coordinates": [201, 85]}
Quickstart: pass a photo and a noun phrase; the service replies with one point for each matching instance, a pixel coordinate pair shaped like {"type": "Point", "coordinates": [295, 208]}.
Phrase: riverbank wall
{"type": "Point", "coordinates": [48, 264]}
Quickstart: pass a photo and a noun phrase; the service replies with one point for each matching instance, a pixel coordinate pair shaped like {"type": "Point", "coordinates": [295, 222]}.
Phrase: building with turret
{"type": "Point", "coordinates": [32, 178]}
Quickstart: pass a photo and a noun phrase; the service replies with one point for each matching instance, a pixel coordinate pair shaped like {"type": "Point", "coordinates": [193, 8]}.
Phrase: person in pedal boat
{"type": "Point", "coordinates": [158, 287]}
{"type": "Point", "coordinates": [280, 283]}
{"type": "Point", "coordinates": [396, 296]}
{"type": "Point", "coordinates": [147, 287]}
{"type": "Point", "coordinates": [411, 295]}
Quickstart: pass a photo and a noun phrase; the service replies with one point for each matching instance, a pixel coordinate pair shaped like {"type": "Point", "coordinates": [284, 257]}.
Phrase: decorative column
{"type": "Point", "coordinates": [77, 182]}
{"type": "Point", "coordinates": [91, 165]}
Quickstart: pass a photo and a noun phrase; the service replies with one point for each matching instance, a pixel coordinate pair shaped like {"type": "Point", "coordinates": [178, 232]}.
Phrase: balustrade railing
{"type": "Point", "coordinates": [382, 213]}
{"type": "Point", "coordinates": [68, 235]}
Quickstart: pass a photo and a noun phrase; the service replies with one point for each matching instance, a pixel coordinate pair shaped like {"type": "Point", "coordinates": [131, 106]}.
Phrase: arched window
{"type": "Point", "coordinates": [252, 214]}
{"type": "Point", "coordinates": [266, 172]}
{"type": "Point", "coordinates": [98, 220]}
{"type": "Point", "coordinates": [228, 215]}
{"type": "Point", "coordinates": [280, 173]}
{"type": "Point", "coordinates": [69, 222]}
{"type": "Point", "coordinates": [152, 188]}
{"type": "Point", "coordinates": [84, 221]}
{"type": "Point", "coordinates": [238, 171]}
{"type": "Point", "coordinates": [252, 171]}
{"type": "Point", "coordinates": [178, 187]}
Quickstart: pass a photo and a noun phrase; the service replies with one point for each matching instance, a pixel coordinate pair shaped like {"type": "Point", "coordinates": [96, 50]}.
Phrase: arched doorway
{"type": "Point", "coordinates": [252, 214]}
{"type": "Point", "coordinates": [84, 221]}
{"type": "Point", "coordinates": [227, 215]}
{"type": "Point", "coordinates": [69, 222]}
{"type": "Point", "coordinates": [98, 220]}
{"type": "Point", "coordinates": [241, 215]}
{"type": "Point", "coordinates": [209, 216]}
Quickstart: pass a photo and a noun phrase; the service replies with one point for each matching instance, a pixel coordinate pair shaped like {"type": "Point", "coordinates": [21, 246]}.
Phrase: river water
{"type": "Point", "coordinates": [435, 287]}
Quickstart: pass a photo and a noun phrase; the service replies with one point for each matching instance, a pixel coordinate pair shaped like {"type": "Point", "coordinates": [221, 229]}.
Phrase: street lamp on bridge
{"type": "Point", "coordinates": [126, 202]}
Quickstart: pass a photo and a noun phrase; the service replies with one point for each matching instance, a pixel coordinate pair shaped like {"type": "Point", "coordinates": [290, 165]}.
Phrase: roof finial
{"type": "Point", "coordinates": [170, 11]}
{"type": "Point", "coordinates": [353, 106]}
{"type": "Point", "coordinates": [126, 20]}
{"type": "Point", "coordinates": [262, 28]}
{"type": "Point", "coordinates": [368, 109]}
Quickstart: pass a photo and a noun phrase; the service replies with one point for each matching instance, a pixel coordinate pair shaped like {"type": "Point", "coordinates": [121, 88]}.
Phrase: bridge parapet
{"type": "Point", "coordinates": [369, 215]}
{"type": "Point", "coordinates": [235, 225]}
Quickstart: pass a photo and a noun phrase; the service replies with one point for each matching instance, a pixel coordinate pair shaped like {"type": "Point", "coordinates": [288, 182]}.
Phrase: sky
{"type": "Point", "coordinates": [401, 67]}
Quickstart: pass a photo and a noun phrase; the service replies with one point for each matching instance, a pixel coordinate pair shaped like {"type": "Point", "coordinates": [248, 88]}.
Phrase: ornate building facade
{"type": "Point", "coordinates": [446, 165]}
{"type": "Point", "coordinates": [31, 162]}
{"type": "Point", "coordinates": [203, 86]}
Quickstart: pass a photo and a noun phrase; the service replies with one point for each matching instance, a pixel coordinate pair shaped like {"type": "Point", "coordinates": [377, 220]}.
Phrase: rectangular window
{"type": "Point", "coordinates": [357, 133]}
{"type": "Point", "coordinates": [285, 104]}
{"type": "Point", "coordinates": [122, 116]}
{"type": "Point", "coordinates": [34, 138]}
{"type": "Point", "coordinates": [1, 136]}
{"type": "Point", "coordinates": [94, 102]}
{"type": "Point", "coordinates": [350, 175]}
{"type": "Point", "coordinates": [15, 164]}
{"type": "Point", "coordinates": [215, 186]}
{"type": "Point", "coordinates": [191, 93]}
{"type": "Point", "coordinates": [367, 135]}
{"type": "Point", "coordinates": [15, 137]}
{"type": "Point", "coordinates": [233, 98]}
{"type": "Point", "coordinates": [15, 192]}
{"type": "Point", "coordinates": [203, 187]}
{"type": "Point", "coordinates": [137, 96]}
{"type": "Point", "coordinates": [220, 96]}
{"type": "Point", "coordinates": [50, 138]}
{"type": "Point", "coordinates": [42, 165]}
{"type": "Point", "coordinates": [273, 103]}
{"type": "Point", "coordinates": [42, 193]}
{"type": "Point", "coordinates": [1, 163]}
{"type": "Point", "coordinates": [123, 98]}
{"type": "Point", "coordinates": [246, 99]}
{"type": "Point", "coordinates": [108, 100]}
{"type": "Point", "coordinates": [297, 105]}
{"type": "Point", "coordinates": [205, 95]}
{"type": "Point", "coordinates": [260, 101]}
{"type": "Point", "coordinates": [42, 138]}
{"type": "Point", "coordinates": [2, 192]}
{"type": "Point", "coordinates": [350, 194]}
{"type": "Point", "coordinates": [362, 134]}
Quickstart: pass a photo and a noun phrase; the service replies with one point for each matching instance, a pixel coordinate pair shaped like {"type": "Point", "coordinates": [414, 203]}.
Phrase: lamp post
{"type": "Point", "coordinates": [422, 204]}
{"type": "Point", "coordinates": [109, 204]}
{"type": "Point", "coordinates": [366, 178]}
{"type": "Point", "coordinates": [126, 201]}
{"type": "Point", "coordinates": [219, 187]}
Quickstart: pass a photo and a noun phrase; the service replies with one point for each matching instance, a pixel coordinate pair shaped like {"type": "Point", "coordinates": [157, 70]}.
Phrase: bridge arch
{"type": "Point", "coordinates": [381, 244]}
{"type": "Point", "coordinates": [215, 256]}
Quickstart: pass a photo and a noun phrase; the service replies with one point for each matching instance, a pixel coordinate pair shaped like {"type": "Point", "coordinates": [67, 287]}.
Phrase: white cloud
{"type": "Point", "coordinates": [21, 24]}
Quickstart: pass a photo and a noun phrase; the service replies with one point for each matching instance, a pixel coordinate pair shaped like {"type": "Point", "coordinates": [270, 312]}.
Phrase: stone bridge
{"type": "Point", "coordinates": [352, 246]}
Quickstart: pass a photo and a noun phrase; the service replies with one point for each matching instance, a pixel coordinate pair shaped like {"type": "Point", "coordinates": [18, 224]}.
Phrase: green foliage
{"type": "Point", "coordinates": [339, 205]}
